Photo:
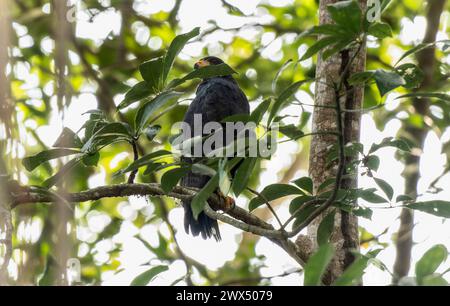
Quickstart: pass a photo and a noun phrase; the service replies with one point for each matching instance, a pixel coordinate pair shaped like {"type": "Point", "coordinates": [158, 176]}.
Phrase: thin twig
{"type": "Point", "coordinates": [267, 204]}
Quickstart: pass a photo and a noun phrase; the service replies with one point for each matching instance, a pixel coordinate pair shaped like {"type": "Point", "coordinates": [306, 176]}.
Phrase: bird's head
{"type": "Point", "coordinates": [208, 61]}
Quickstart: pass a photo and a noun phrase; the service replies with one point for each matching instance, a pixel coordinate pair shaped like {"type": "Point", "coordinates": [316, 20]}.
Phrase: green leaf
{"type": "Point", "coordinates": [175, 48]}
{"type": "Point", "coordinates": [260, 110]}
{"type": "Point", "coordinates": [360, 77]}
{"type": "Point", "coordinates": [326, 228]}
{"type": "Point", "coordinates": [380, 30]}
{"type": "Point", "coordinates": [91, 160]}
{"type": "Point", "coordinates": [171, 178]}
{"type": "Point", "coordinates": [387, 189]}
{"type": "Point", "coordinates": [152, 72]}
{"type": "Point", "coordinates": [298, 202]}
{"type": "Point", "coordinates": [347, 14]}
{"type": "Point", "coordinates": [199, 200]}
{"type": "Point", "coordinates": [353, 274]}
{"type": "Point", "coordinates": [304, 183]}
{"type": "Point", "coordinates": [272, 192]}
{"type": "Point", "coordinates": [319, 45]}
{"type": "Point", "coordinates": [434, 280]}
{"type": "Point", "coordinates": [145, 160]}
{"type": "Point", "coordinates": [145, 278]}
{"type": "Point", "coordinates": [203, 170]}
{"type": "Point", "coordinates": [138, 92]}
{"type": "Point", "coordinates": [387, 81]}
{"type": "Point", "coordinates": [437, 208]}
{"type": "Point", "coordinates": [437, 95]}
{"type": "Point", "coordinates": [152, 131]}
{"type": "Point", "coordinates": [416, 49]}
{"type": "Point", "coordinates": [204, 73]}
{"type": "Point", "coordinates": [325, 29]}
{"type": "Point", "coordinates": [340, 45]}
{"type": "Point", "coordinates": [412, 75]}
{"type": "Point", "coordinates": [68, 139]}
{"type": "Point", "coordinates": [317, 265]}
{"type": "Point", "coordinates": [62, 172]}
{"type": "Point", "coordinates": [280, 102]}
{"type": "Point", "coordinates": [147, 110]}
{"type": "Point", "coordinates": [242, 175]}
{"type": "Point", "coordinates": [403, 198]}
{"type": "Point", "coordinates": [224, 180]}
{"type": "Point", "coordinates": [391, 142]}
{"type": "Point", "coordinates": [108, 133]}
{"type": "Point", "coordinates": [372, 162]}
{"type": "Point", "coordinates": [32, 162]}
{"type": "Point", "coordinates": [370, 196]}
{"type": "Point", "coordinates": [279, 73]}
{"type": "Point", "coordinates": [291, 131]}
{"type": "Point", "coordinates": [430, 261]}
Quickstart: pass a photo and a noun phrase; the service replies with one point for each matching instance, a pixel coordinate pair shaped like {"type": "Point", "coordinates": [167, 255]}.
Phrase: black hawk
{"type": "Point", "coordinates": [216, 98]}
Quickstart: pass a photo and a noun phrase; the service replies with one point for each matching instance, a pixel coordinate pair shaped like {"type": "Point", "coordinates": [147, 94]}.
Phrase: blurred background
{"type": "Point", "coordinates": [64, 60]}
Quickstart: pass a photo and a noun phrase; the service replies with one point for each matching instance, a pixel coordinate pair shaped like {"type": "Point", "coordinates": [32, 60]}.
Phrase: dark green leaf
{"type": "Point", "coordinates": [272, 192]}
{"type": "Point", "coordinates": [171, 178]}
{"type": "Point", "coordinates": [199, 200]}
{"type": "Point", "coordinates": [146, 277]}
{"type": "Point", "coordinates": [403, 198]}
{"type": "Point", "coordinates": [370, 196]}
{"type": "Point", "coordinates": [291, 131]}
{"type": "Point", "coordinates": [243, 174]}
{"type": "Point", "coordinates": [436, 208]}
{"type": "Point", "coordinates": [317, 265]}
{"type": "Point", "coordinates": [298, 202]}
{"type": "Point", "coordinates": [380, 30]}
{"type": "Point", "coordinates": [372, 162]}
{"type": "Point", "coordinates": [347, 14]}
{"type": "Point", "coordinates": [260, 110]}
{"type": "Point", "coordinates": [32, 162]}
{"type": "Point", "coordinates": [282, 99]}
{"type": "Point", "coordinates": [391, 142]}
{"type": "Point", "coordinates": [360, 77]}
{"type": "Point", "coordinates": [412, 75]}
{"type": "Point", "coordinates": [68, 139]}
{"type": "Point", "coordinates": [204, 73]}
{"type": "Point", "coordinates": [138, 92]}
{"type": "Point", "coordinates": [387, 189]}
{"type": "Point", "coordinates": [326, 228]}
{"type": "Point", "coordinates": [147, 110]}
{"type": "Point", "coordinates": [91, 159]}
{"type": "Point", "coordinates": [353, 274]}
{"type": "Point", "coordinates": [387, 81]}
{"type": "Point", "coordinates": [175, 48]}
{"type": "Point", "coordinates": [152, 73]}
{"type": "Point", "coordinates": [62, 172]}
{"type": "Point", "coordinates": [145, 160]}
{"type": "Point", "coordinates": [318, 46]}
{"type": "Point", "coordinates": [152, 131]}
{"type": "Point", "coordinates": [305, 183]}
{"type": "Point", "coordinates": [282, 69]}
{"type": "Point", "coordinates": [339, 46]}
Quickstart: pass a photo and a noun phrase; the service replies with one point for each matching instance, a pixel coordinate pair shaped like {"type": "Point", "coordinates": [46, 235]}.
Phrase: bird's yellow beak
{"type": "Point", "coordinates": [200, 64]}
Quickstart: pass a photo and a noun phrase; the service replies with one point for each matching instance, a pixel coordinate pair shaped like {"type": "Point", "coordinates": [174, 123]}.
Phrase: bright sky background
{"type": "Point", "coordinates": [429, 230]}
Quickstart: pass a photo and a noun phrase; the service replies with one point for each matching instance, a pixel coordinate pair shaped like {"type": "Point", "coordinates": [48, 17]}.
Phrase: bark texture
{"type": "Point", "coordinates": [427, 63]}
{"type": "Point", "coordinates": [345, 235]}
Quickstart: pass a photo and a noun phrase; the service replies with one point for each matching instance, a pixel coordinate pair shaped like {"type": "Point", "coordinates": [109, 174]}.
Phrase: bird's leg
{"type": "Point", "coordinates": [228, 202]}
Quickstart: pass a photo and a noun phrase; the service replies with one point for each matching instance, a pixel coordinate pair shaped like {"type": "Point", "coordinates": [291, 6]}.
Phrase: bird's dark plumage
{"type": "Point", "coordinates": [216, 98]}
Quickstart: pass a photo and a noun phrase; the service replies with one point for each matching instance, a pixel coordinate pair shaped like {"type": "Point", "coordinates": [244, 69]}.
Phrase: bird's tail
{"type": "Point", "coordinates": [204, 225]}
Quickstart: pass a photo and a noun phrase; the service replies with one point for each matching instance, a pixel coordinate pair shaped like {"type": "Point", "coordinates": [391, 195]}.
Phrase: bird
{"type": "Point", "coordinates": [216, 98]}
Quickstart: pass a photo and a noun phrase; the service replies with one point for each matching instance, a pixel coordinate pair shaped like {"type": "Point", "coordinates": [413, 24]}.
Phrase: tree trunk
{"type": "Point", "coordinates": [427, 63]}
{"type": "Point", "coordinates": [345, 235]}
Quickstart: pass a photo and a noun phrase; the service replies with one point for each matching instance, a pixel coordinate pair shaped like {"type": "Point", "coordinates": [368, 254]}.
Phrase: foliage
{"type": "Point", "coordinates": [162, 82]}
